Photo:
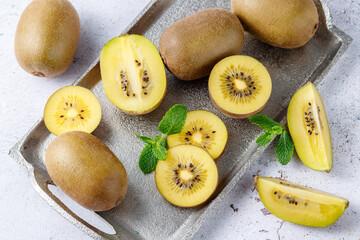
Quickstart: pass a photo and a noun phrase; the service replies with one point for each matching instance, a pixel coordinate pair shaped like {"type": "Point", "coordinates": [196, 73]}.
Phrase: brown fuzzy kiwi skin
{"type": "Point", "coordinates": [47, 37]}
{"type": "Point", "coordinates": [232, 115]}
{"type": "Point", "coordinates": [280, 23]}
{"type": "Point", "coordinates": [86, 170]}
{"type": "Point", "coordinates": [192, 46]}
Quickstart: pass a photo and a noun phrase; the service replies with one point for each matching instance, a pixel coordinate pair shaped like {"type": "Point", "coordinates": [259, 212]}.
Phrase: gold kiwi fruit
{"type": "Point", "coordinates": [280, 23]}
{"type": "Point", "coordinates": [239, 86]}
{"type": "Point", "coordinates": [309, 128]}
{"type": "Point", "coordinates": [47, 37]}
{"type": "Point", "coordinates": [86, 170]}
{"type": "Point", "coordinates": [203, 129]}
{"type": "Point", "coordinates": [192, 46]}
{"type": "Point", "coordinates": [72, 108]}
{"type": "Point", "coordinates": [188, 176]}
{"type": "Point", "coordinates": [299, 204]}
{"type": "Point", "coordinates": [133, 74]}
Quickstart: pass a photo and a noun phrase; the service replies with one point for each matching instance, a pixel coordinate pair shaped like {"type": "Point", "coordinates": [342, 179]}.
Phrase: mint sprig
{"type": "Point", "coordinates": [285, 145]}
{"type": "Point", "coordinates": [156, 148]}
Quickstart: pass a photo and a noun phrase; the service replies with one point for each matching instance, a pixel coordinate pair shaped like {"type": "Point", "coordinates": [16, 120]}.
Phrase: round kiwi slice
{"type": "Point", "coordinates": [203, 129]}
{"type": "Point", "coordinates": [72, 108]}
{"type": "Point", "coordinates": [239, 86]}
{"type": "Point", "coordinates": [188, 176]}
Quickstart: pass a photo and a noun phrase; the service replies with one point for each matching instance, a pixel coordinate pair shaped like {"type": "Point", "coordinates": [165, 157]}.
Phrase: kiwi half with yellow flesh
{"type": "Point", "coordinates": [203, 129]}
{"type": "Point", "coordinates": [309, 128]}
{"type": "Point", "coordinates": [188, 176]}
{"type": "Point", "coordinates": [133, 74]}
{"type": "Point", "coordinates": [239, 86]}
{"type": "Point", "coordinates": [299, 204]}
{"type": "Point", "coordinates": [72, 108]}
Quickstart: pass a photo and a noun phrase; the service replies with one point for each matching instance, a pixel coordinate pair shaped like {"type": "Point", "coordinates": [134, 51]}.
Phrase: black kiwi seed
{"type": "Point", "coordinates": [275, 192]}
{"type": "Point", "coordinates": [61, 116]}
{"type": "Point", "coordinates": [82, 111]}
{"type": "Point", "coordinates": [213, 131]}
{"type": "Point", "coordinates": [279, 196]}
{"type": "Point", "coordinates": [306, 204]}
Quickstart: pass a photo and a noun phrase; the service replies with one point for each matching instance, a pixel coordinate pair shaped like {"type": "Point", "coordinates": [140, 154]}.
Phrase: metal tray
{"type": "Point", "coordinates": [144, 213]}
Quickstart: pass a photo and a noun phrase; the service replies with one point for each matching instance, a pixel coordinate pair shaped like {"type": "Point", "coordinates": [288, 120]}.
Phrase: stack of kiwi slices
{"type": "Point", "coordinates": [189, 175]}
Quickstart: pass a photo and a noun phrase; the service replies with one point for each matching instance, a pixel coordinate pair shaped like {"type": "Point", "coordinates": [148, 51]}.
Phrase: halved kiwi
{"type": "Point", "coordinates": [239, 86]}
{"type": "Point", "coordinates": [188, 177]}
{"type": "Point", "coordinates": [299, 204]}
{"type": "Point", "coordinates": [133, 74]}
{"type": "Point", "coordinates": [309, 128]}
{"type": "Point", "coordinates": [203, 129]}
{"type": "Point", "coordinates": [72, 108]}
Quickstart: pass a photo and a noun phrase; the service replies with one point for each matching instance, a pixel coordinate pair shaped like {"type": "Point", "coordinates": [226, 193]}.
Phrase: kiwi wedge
{"type": "Point", "coordinates": [133, 74]}
{"type": "Point", "coordinates": [203, 129]}
{"type": "Point", "coordinates": [299, 204]}
{"type": "Point", "coordinates": [239, 86]}
{"type": "Point", "coordinates": [72, 108]}
{"type": "Point", "coordinates": [188, 177]}
{"type": "Point", "coordinates": [309, 128]}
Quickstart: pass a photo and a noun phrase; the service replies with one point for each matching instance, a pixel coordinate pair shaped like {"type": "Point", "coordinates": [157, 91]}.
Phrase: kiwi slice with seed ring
{"type": "Point", "coordinates": [72, 108]}
{"type": "Point", "coordinates": [203, 129]}
{"type": "Point", "coordinates": [239, 86]}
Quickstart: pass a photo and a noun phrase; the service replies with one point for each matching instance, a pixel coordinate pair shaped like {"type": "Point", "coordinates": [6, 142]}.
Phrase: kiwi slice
{"type": "Point", "coordinates": [133, 74]}
{"type": "Point", "coordinates": [203, 129]}
{"type": "Point", "coordinates": [239, 86]}
{"type": "Point", "coordinates": [299, 204]}
{"type": "Point", "coordinates": [309, 128]}
{"type": "Point", "coordinates": [72, 108]}
{"type": "Point", "coordinates": [188, 177]}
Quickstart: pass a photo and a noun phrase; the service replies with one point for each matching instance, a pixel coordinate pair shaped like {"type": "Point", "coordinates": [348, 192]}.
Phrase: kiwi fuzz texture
{"type": "Point", "coordinates": [86, 170]}
{"type": "Point", "coordinates": [280, 23]}
{"type": "Point", "coordinates": [47, 37]}
{"type": "Point", "coordinates": [190, 47]}
{"type": "Point", "coordinates": [239, 86]}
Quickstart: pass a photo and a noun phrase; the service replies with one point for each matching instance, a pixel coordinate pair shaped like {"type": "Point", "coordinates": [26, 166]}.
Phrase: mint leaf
{"type": "Point", "coordinates": [265, 123]}
{"type": "Point", "coordinates": [159, 148]}
{"type": "Point", "coordinates": [174, 120]}
{"type": "Point", "coordinates": [264, 139]}
{"type": "Point", "coordinates": [284, 148]}
{"type": "Point", "coordinates": [277, 130]}
{"type": "Point", "coordinates": [147, 160]}
{"type": "Point", "coordinates": [145, 139]}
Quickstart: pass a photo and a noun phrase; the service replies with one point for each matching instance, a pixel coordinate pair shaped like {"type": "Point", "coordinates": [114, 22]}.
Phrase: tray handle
{"type": "Point", "coordinates": [40, 184]}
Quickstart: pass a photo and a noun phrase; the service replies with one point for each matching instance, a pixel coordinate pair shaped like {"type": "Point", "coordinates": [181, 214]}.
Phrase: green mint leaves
{"type": "Point", "coordinates": [156, 148]}
{"type": "Point", "coordinates": [285, 145]}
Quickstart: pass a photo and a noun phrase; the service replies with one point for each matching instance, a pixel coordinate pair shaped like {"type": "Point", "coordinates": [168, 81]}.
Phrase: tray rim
{"type": "Point", "coordinates": [15, 151]}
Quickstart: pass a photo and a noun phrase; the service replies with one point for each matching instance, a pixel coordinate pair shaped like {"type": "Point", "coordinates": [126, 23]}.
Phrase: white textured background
{"type": "Point", "coordinates": [24, 215]}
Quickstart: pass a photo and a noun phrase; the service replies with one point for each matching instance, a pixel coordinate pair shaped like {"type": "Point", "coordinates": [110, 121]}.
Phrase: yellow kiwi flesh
{"type": "Point", "coordinates": [72, 108]}
{"type": "Point", "coordinates": [86, 170]}
{"type": "Point", "coordinates": [239, 86]}
{"type": "Point", "coordinates": [188, 176]}
{"type": "Point", "coordinates": [192, 46]}
{"type": "Point", "coordinates": [47, 37]}
{"type": "Point", "coordinates": [280, 23]}
{"type": "Point", "coordinates": [133, 74]}
{"type": "Point", "coordinates": [309, 128]}
{"type": "Point", "coordinates": [299, 204]}
{"type": "Point", "coordinates": [203, 129]}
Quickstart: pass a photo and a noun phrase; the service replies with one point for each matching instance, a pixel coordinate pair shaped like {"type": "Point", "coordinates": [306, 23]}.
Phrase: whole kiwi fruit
{"type": "Point", "coordinates": [192, 46]}
{"type": "Point", "coordinates": [86, 170]}
{"type": "Point", "coordinates": [280, 23]}
{"type": "Point", "coordinates": [46, 37]}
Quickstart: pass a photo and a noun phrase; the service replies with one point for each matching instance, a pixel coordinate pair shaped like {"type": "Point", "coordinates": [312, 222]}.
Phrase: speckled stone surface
{"type": "Point", "coordinates": [24, 215]}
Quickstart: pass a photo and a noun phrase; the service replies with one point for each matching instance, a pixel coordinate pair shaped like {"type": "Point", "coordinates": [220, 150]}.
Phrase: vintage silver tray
{"type": "Point", "coordinates": [144, 214]}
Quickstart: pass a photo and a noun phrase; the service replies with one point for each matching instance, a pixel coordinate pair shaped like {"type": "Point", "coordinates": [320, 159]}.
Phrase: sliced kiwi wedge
{"type": "Point", "coordinates": [188, 177]}
{"type": "Point", "coordinates": [299, 204]}
{"type": "Point", "coordinates": [309, 128]}
{"type": "Point", "coordinates": [72, 108]}
{"type": "Point", "coordinates": [133, 74]}
{"type": "Point", "coordinates": [203, 129]}
{"type": "Point", "coordinates": [239, 86]}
